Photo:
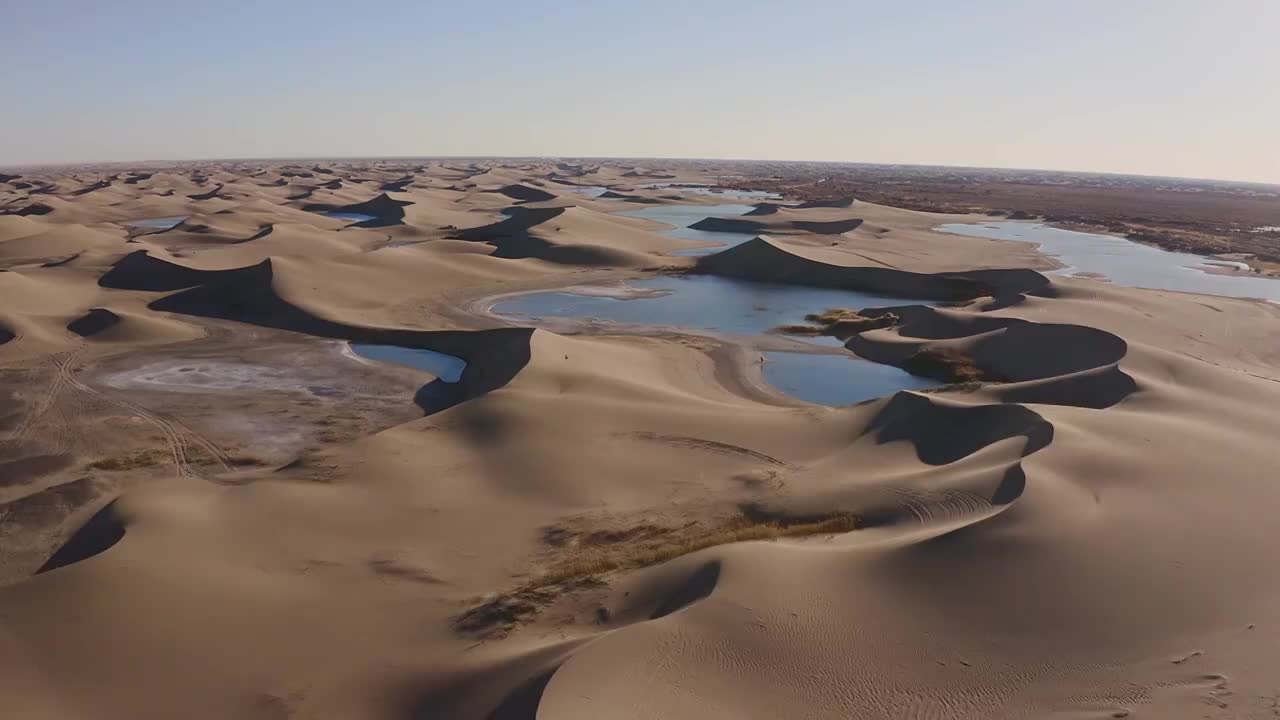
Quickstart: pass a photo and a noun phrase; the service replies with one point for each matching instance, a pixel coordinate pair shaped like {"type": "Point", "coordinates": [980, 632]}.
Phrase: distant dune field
{"type": "Point", "coordinates": [213, 505]}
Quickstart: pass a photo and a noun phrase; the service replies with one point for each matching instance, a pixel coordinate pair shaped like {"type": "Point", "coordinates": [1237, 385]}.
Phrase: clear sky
{"type": "Point", "coordinates": [1164, 87]}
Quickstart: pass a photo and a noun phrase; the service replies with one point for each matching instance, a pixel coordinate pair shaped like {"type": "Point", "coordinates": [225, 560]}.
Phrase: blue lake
{"type": "Point", "coordinates": [682, 216]}
{"type": "Point", "coordinates": [739, 307]}
{"type": "Point", "coordinates": [446, 367]}
{"type": "Point", "coordinates": [591, 190]}
{"type": "Point", "coordinates": [1124, 262]}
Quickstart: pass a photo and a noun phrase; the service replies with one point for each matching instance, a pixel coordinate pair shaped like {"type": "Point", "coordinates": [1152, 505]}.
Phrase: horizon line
{"type": "Point", "coordinates": [266, 158]}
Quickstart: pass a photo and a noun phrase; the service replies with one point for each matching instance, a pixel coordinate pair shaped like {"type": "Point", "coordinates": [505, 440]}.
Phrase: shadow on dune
{"type": "Point", "coordinates": [697, 586]}
{"type": "Point", "coordinates": [519, 220]}
{"type": "Point", "coordinates": [396, 185]}
{"type": "Point", "coordinates": [763, 260]}
{"type": "Point", "coordinates": [93, 322]}
{"type": "Point", "coordinates": [1047, 363]}
{"type": "Point", "coordinates": [839, 203]}
{"type": "Point", "coordinates": [209, 195]}
{"type": "Point", "coordinates": [35, 208]}
{"type": "Point", "coordinates": [739, 225]}
{"type": "Point", "coordinates": [511, 239]}
{"type": "Point", "coordinates": [518, 247]}
{"type": "Point", "coordinates": [141, 271]}
{"type": "Point", "coordinates": [510, 689]}
{"type": "Point", "coordinates": [942, 433]}
{"type": "Point", "coordinates": [525, 193]}
{"type": "Point", "coordinates": [92, 188]}
{"type": "Point", "coordinates": [833, 227]}
{"type": "Point", "coordinates": [62, 261]}
{"type": "Point", "coordinates": [764, 208]}
{"type": "Point", "coordinates": [98, 534]}
{"type": "Point", "coordinates": [384, 209]}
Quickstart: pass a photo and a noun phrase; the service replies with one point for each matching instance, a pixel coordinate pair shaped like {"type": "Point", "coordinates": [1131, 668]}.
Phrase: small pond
{"type": "Point", "coordinates": [590, 190]}
{"type": "Point", "coordinates": [352, 216]}
{"type": "Point", "coordinates": [446, 367]}
{"type": "Point", "coordinates": [161, 223]}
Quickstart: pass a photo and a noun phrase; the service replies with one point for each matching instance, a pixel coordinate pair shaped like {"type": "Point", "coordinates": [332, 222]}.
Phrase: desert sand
{"type": "Point", "coordinates": [211, 508]}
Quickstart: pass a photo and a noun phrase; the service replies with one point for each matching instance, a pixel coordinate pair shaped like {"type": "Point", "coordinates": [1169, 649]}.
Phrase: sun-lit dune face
{"type": "Point", "coordinates": [575, 438]}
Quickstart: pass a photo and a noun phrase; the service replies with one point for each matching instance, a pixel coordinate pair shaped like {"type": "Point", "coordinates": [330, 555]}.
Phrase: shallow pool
{"type": "Point", "coordinates": [352, 216]}
{"type": "Point", "coordinates": [162, 223]}
{"type": "Point", "coordinates": [590, 190]}
{"type": "Point", "coordinates": [1124, 262]}
{"type": "Point", "coordinates": [446, 367]}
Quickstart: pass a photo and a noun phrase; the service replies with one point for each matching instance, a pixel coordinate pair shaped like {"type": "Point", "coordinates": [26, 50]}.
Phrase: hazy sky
{"type": "Point", "coordinates": [1167, 87]}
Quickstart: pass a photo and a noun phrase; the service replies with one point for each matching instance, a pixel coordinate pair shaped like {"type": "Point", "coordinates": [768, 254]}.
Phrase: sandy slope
{"type": "Point", "coordinates": [295, 532]}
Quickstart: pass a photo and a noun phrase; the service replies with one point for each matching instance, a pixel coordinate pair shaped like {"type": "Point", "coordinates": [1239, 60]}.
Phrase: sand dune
{"type": "Point", "coordinates": [738, 225]}
{"type": "Point", "coordinates": [383, 208]}
{"type": "Point", "coordinates": [764, 259]}
{"type": "Point", "coordinates": [212, 506]}
{"type": "Point", "coordinates": [575, 236]}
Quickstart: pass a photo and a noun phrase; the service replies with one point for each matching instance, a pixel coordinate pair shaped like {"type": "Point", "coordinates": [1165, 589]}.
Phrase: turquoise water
{"type": "Point", "coordinates": [591, 190]}
{"type": "Point", "coordinates": [682, 216]}
{"type": "Point", "coordinates": [163, 223]}
{"type": "Point", "coordinates": [1124, 262]}
{"type": "Point", "coordinates": [446, 367]}
{"type": "Point", "coordinates": [739, 307]}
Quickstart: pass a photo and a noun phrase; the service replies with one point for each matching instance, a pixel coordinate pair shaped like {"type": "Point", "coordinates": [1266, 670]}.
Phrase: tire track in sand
{"type": "Point", "coordinates": [179, 437]}
{"type": "Point", "coordinates": [42, 405]}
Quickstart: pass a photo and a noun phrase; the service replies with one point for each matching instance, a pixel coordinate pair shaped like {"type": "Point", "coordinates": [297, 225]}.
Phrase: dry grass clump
{"type": "Point", "coordinates": [241, 460]}
{"type": "Point", "coordinates": [839, 322]}
{"type": "Point", "coordinates": [133, 460]}
{"type": "Point", "coordinates": [806, 330]}
{"type": "Point", "coordinates": [659, 547]}
{"type": "Point", "coordinates": [949, 364]}
{"type": "Point", "coordinates": [194, 454]}
{"type": "Point", "coordinates": [831, 315]}
{"type": "Point", "coordinates": [499, 615]}
{"type": "Point", "coordinates": [604, 551]}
